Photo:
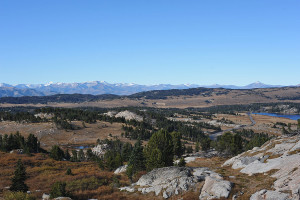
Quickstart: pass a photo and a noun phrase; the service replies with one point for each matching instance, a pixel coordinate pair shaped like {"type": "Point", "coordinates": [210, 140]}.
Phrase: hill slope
{"type": "Point", "coordinates": [194, 97]}
{"type": "Point", "coordinates": [280, 157]}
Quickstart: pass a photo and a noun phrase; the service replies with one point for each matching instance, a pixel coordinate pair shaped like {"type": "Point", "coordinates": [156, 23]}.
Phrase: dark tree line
{"type": "Point", "coordinates": [58, 98]}
{"type": "Point", "coordinates": [20, 117]}
{"type": "Point", "coordinates": [255, 107]}
{"type": "Point", "coordinates": [17, 141]}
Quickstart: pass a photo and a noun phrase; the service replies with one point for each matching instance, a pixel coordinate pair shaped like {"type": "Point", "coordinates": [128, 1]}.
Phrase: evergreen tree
{"type": "Point", "coordinates": [298, 124]}
{"type": "Point", "coordinates": [74, 157]}
{"type": "Point", "coordinates": [178, 150]}
{"type": "Point", "coordinates": [69, 171]}
{"type": "Point", "coordinates": [189, 149]}
{"type": "Point", "coordinates": [18, 181]}
{"type": "Point", "coordinates": [17, 141]}
{"type": "Point", "coordinates": [181, 162]}
{"type": "Point", "coordinates": [129, 172]}
{"type": "Point", "coordinates": [137, 160]}
{"type": "Point", "coordinates": [229, 143]}
{"type": "Point", "coordinates": [5, 145]}
{"type": "Point", "coordinates": [197, 147]}
{"type": "Point", "coordinates": [32, 143]}
{"type": "Point", "coordinates": [159, 151]}
{"type": "Point", "coordinates": [67, 155]}
{"type": "Point", "coordinates": [89, 154]}
{"type": "Point", "coordinates": [11, 143]}
{"type": "Point", "coordinates": [205, 144]}
{"type": "Point", "coordinates": [81, 155]}
{"type": "Point", "coordinates": [184, 149]}
{"type": "Point", "coordinates": [56, 153]}
{"type": "Point", "coordinates": [101, 164]}
{"type": "Point", "coordinates": [58, 190]}
{"type": "Point", "coordinates": [112, 160]}
{"type": "Point", "coordinates": [236, 145]}
{"type": "Point", "coordinates": [126, 151]}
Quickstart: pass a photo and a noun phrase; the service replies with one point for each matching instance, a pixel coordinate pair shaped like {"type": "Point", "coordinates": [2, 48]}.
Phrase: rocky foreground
{"type": "Point", "coordinates": [281, 158]}
{"type": "Point", "coordinates": [278, 158]}
{"type": "Point", "coordinates": [169, 181]}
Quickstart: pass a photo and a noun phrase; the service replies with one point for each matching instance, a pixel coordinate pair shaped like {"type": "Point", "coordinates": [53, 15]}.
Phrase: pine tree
{"type": "Point", "coordinates": [89, 154]}
{"type": "Point", "coordinates": [178, 150]}
{"type": "Point", "coordinates": [236, 145]}
{"type": "Point", "coordinates": [159, 151]}
{"type": "Point", "coordinates": [81, 155]}
{"type": "Point", "coordinates": [56, 153]}
{"type": "Point", "coordinates": [181, 162]}
{"type": "Point", "coordinates": [18, 181]}
{"type": "Point", "coordinates": [205, 143]}
{"type": "Point", "coordinates": [129, 172]}
{"type": "Point", "coordinates": [137, 160]}
{"type": "Point", "coordinates": [74, 157]}
{"type": "Point", "coordinates": [197, 147]}
{"type": "Point", "coordinates": [67, 155]}
{"type": "Point", "coordinates": [5, 145]}
{"type": "Point", "coordinates": [69, 171]}
{"type": "Point", "coordinates": [32, 143]}
{"type": "Point", "coordinates": [126, 151]}
{"type": "Point", "coordinates": [189, 149]}
{"type": "Point", "coordinates": [112, 160]}
{"type": "Point", "coordinates": [58, 190]}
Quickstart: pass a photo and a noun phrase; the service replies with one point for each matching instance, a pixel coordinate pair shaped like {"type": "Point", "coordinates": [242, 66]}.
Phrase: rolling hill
{"type": "Point", "coordinates": [175, 98]}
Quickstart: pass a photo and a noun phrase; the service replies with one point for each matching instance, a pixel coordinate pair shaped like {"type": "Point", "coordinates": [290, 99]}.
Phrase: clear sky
{"type": "Point", "coordinates": [150, 41]}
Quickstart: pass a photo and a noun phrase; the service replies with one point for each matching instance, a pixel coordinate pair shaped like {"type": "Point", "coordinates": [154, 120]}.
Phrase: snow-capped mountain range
{"type": "Point", "coordinates": [102, 87]}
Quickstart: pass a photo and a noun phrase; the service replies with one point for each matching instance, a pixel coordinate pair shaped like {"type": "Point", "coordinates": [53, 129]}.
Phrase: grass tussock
{"type": "Point", "coordinates": [294, 152]}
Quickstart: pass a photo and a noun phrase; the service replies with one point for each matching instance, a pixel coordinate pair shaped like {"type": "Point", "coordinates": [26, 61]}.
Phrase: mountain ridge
{"type": "Point", "coordinates": [192, 97]}
{"type": "Point", "coordinates": [102, 87]}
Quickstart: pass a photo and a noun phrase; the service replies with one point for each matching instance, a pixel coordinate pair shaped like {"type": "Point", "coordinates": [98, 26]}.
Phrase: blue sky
{"type": "Point", "coordinates": [150, 42]}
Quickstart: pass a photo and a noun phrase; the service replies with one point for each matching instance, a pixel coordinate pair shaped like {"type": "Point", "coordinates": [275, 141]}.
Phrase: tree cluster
{"type": "Point", "coordinates": [240, 141]}
{"type": "Point", "coordinates": [17, 141]}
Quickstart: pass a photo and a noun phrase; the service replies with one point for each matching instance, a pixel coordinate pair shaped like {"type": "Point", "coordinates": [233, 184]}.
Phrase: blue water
{"type": "Point", "coordinates": [82, 147]}
{"type": "Point", "coordinates": [293, 117]}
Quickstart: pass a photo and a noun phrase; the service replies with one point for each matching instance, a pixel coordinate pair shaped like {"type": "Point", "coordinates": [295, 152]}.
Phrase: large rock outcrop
{"type": "Point", "coordinates": [281, 155]}
{"type": "Point", "coordinates": [121, 169]}
{"type": "Point", "coordinates": [169, 181]}
{"type": "Point", "coordinates": [269, 195]}
{"type": "Point", "coordinates": [100, 149]}
{"type": "Point", "coordinates": [214, 188]}
{"type": "Point", "coordinates": [129, 115]}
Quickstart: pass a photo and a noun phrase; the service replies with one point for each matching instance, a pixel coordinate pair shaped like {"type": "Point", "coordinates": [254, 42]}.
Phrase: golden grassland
{"type": "Point", "coordinates": [49, 135]}
{"type": "Point", "coordinates": [264, 124]}
{"type": "Point", "coordinates": [89, 181]}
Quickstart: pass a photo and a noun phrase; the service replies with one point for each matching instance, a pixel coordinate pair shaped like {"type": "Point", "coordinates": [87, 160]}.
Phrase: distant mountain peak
{"type": "Point", "coordinates": [103, 87]}
{"type": "Point", "coordinates": [49, 83]}
{"type": "Point", "coordinates": [259, 84]}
